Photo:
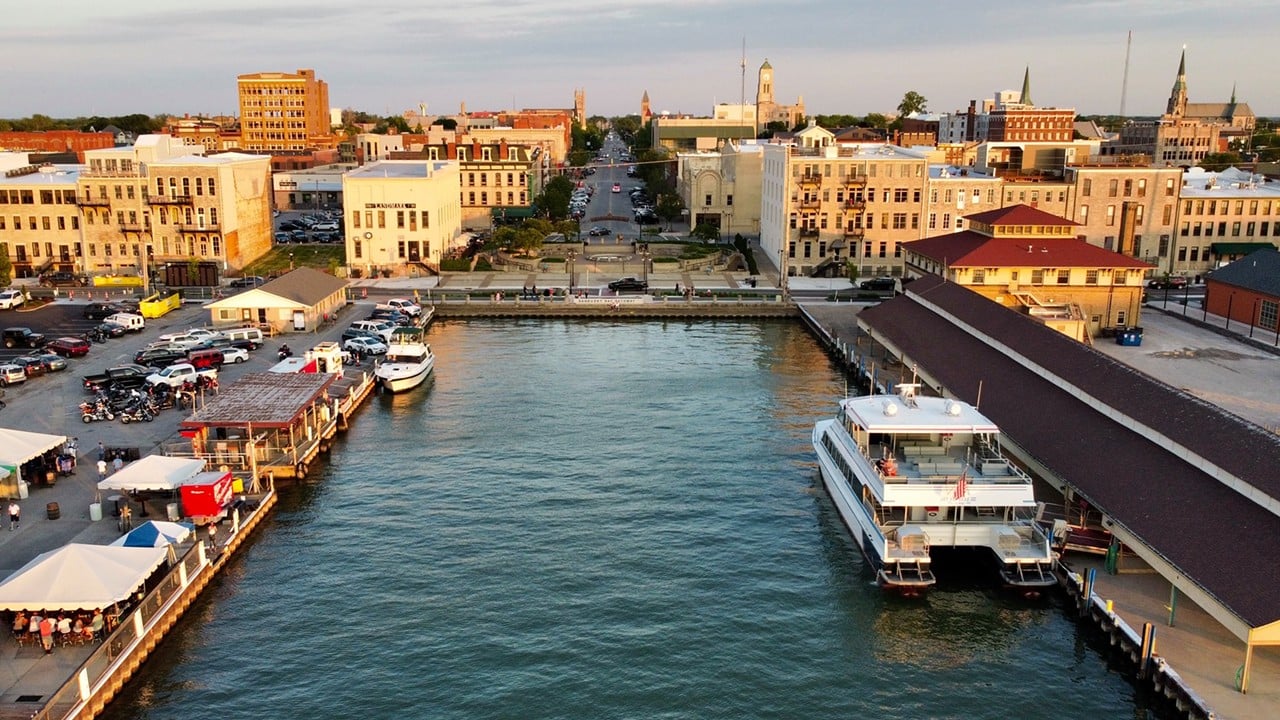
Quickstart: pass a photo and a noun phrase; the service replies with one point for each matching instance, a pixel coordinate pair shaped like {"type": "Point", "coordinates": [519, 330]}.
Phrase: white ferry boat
{"type": "Point", "coordinates": [408, 362]}
{"type": "Point", "coordinates": [909, 473]}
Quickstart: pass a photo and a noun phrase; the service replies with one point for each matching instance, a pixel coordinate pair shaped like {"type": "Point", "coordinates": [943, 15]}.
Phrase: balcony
{"type": "Point", "coordinates": [205, 228]}
{"type": "Point", "coordinates": [854, 233]}
{"type": "Point", "coordinates": [809, 204]}
{"type": "Point", "coordinates": [810, 179]}
{"type": "Point", "coordinates": [134, 228]}
{"type": "Point", "coordinates": [169, 199]}
{"type": "Point", "coordinates": [93, 202]}
{"type": "Point", "coordinates": [808, 232]}
{"type": "Point", "coordinates": [856, 204]}
{"type": "Point", "coordinates": [855, 179]}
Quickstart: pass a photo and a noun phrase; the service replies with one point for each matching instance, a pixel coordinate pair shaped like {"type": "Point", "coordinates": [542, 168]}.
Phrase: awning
{"type": "Point", "coordinates": [1222, 249]}
{"type": "Point", "coordinates": [513, 212]}
{"type": "Point", "coordinates": [19, 446]}
{"type": "Point", "coordinates": [154, 472]}
{"type": "Point", "coordinates": [80, 577]}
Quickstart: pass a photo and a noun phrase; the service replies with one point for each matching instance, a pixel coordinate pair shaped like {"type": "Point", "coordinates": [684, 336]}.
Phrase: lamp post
{"type": "Point", "coordinates": [644, 265]}
{"type": "Point", "coordinates": [572, 255]}
{"type": "Point", "coordinates": [290, 259]}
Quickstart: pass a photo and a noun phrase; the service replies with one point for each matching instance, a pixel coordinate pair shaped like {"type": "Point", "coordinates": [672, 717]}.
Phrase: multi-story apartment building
{"type": "Point", "coordinates": [822, 206]}
{"type": "Point", "coordinates": [39, 220]}
{"type": "Point", "coordinates": [1224, 216]}
{"type": "Point", "coordinates": [722, 189]}
{"type": "Point", "coordinates": [283, 111]}
{"type": "Point", "coordinates": [954, 192]}
{"type": "Point", "coordinates": [1131, 209]}
{"type": "Point", "coordinates": [153, 202]}
{"type": "Point", "coordinates": [498, 182]}
{"type": "Point", "coordinates": [401, 213]}
{"type": "Point", "coordinates": [212, 134]}
{"type": "Point", "coordinates": [1033, 261]}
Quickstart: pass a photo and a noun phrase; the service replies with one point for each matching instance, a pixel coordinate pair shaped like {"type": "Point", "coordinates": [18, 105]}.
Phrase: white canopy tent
{"type": "Point", "coordinates": [19, 446]}
{"type": "Point", "coordinates": [80, 577]}
{"type": "Point", "coordinates": [154, 472]}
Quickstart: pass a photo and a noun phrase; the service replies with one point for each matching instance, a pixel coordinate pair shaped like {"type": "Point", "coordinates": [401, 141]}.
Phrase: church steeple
{"type": "Point", "coordinates": [1178, 97]}
{"type": "Point", "coordinates": [1026, 87]}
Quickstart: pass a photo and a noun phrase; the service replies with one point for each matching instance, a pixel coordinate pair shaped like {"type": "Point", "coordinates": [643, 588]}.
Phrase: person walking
{"type": "Point", "coordinates": [102, 452]}
{"type": "Point", "coordinates": [15, 514]}
{"type": "Point", "coordinates": [102, 469]}
{"type": "Point", "coordinates": [117, 464]}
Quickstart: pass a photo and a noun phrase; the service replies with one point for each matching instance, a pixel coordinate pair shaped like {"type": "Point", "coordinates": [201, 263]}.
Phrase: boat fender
{"type": "Point", "coordinates": [300, 469]}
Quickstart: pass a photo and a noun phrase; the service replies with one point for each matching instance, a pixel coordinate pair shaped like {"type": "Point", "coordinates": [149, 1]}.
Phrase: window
{"type": "Point", "coordinates": [358, 248]}
{"type": "Point", "coordinates": [899, 221]}
{"type": "Point", "coordinates": [707, 200]}
{"type": "Point", "coordinates": [400, 219]}
{"type": "Point", "coordinates": [728, 200]}
{"type": "Point", "coordinates": [946, 221]}
{"type": "Point", "coordinates": [1091, 277]}
{"type": "Point", "coordinates": [900, 195]}
{"type": "Point", "coordinates": [979, 276]}
{"type": "Point", "coordinates": [211, 192]}
{"type": "Point", "coordinates": [1113, 188]}
{"type": "Point", "coordinates": [382, 219]}
{"type": "Point", "coordinates": [1111, 215]}
{"type": "Point", "coordinates": [1164, 246]}
{"type": "Point", "coordinates": [1037, 277]}
{"type": "Point", "coordinates": [1168, 213]}
{"type": "Point", "coordinates": [1128, 188]}
{"type": "Point", "coordinates": [355, 218]}
{"type": "Point", "coordinates": [1235, 229]}
{"type": "Point", "coordinates": [1269, 314]}
{"type": "Point", "coordinates": [1064, 277]}
{"type": "Point", "coordinates": [933, 221]}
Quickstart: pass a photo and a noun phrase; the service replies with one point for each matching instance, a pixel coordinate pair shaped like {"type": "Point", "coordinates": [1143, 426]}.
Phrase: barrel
{"type": "Point", "coordinates": [53, 511]}
{"type": "Point", "coordinates": [95, 511]}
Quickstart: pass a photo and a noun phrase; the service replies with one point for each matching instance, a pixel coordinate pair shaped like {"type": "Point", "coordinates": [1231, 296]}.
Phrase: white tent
{"type": "Point", "coordinates": [79, 577]}
{"type": "Point", "coordinates": [154, 472]}
{"type": "Point", "coordinates": [19, 446]}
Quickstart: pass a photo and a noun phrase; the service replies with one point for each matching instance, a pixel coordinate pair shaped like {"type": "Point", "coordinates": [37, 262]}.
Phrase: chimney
{"type": "Point", "coordinates": [502, 149]}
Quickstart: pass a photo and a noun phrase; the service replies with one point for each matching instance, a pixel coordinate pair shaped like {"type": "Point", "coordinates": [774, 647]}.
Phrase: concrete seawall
{"type": "Point", "coordinates": [623, 308]}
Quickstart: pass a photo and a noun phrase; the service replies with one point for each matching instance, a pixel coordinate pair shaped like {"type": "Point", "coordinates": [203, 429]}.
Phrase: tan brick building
{"type": "Point", "coordinates": [401, 215]}
{"type": "Point", "coordinates": [158, 202]}
{"type": "Point", "coordinates": [1224, 216]}
{"type": "Point", "coordinates": [1132, 210]}
{"type": "Point", "coordinates": [39, 219]}
{"type": "Point", "coordinates": [283, 111]}
{"type": "Point", "coordinates": [722, 189]}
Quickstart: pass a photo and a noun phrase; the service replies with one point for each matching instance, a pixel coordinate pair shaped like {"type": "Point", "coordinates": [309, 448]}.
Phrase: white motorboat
{"type": "Point", "coordinates": [408, 361]}
{"type": "Point", "coordinates": [909, 473]}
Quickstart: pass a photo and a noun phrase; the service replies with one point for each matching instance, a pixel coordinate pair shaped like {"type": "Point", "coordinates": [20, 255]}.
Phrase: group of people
{"type": "Point", "coordinates": [47, 628]}
{"type": "Point", "coordinates": [117, 462]}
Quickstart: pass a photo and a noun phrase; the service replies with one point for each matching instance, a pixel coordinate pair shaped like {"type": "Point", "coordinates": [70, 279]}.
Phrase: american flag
{"type": "Point", "coordinates": [962, 485]}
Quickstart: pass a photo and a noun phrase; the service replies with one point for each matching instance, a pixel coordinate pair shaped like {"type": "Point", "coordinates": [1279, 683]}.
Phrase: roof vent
{"type": "Point", "coordinates": [953, 408]}
{"type": "Point", "coordinates": [890, 408]}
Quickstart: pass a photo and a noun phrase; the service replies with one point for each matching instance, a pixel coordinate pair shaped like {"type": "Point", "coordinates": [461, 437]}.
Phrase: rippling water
{"type": "Point", "coordinates": [592, 520]}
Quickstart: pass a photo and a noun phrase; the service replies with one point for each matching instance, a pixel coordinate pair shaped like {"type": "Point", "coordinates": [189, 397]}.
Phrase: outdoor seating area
{"type": "Point", "coordinates": [49, 629]}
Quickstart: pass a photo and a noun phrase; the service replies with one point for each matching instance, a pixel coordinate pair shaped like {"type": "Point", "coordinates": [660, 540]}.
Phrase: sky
{"type": "Point", "coordinates": [72, 58]}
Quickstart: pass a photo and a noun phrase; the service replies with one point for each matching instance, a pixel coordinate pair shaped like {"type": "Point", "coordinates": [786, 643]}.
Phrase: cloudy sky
{"type": "Point", "coordinates": [87, 57]}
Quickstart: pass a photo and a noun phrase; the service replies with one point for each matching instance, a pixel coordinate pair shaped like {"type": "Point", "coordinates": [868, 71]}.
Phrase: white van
{"type": "Point", "coordinates": [251, 335]}
{"type": "Point", "coordinates": [128, 321]}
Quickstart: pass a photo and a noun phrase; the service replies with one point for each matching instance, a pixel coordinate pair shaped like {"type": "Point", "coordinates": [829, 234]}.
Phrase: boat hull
{"type": "Point", "coordinates": [402, 378]}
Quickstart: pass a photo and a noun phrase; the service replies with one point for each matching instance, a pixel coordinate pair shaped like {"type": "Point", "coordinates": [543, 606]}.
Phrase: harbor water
{"type": "Point", "coordinates": [599, 520]}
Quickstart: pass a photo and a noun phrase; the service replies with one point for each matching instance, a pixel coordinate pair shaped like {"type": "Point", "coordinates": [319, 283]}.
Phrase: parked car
{"type": "Point", "coordinates": [10, 299]}
{"type": "Point", "coordinates": [394, 316]}
{"type": "Point", "coordinates": [11, 374]}
{"type": "Point", "coordinates": [281, 237]}
{"type": "Point", "coordinates": [598, 231]}
{"type": "Point", "coordinates": [178, 373]}
{"type": "Point", "coordinates": [880, 284]}
{"type": "Point", "coordinates": [53, 362]}
{"type": "Point", "coordinates": [61, 278]}
{"type": "Point", "coordinates": [102, 310]}
{"type": "Point", "coordinates": [69, 347]}
{"type": "Point", "coordinates": [111, 330]}
{"type": "Point", "coordinates": [1172, 282]}
{"type": "Point", "coordinates": [617, 187]}
{"type": "Point", "coordinates": [234, 355]}
{"type": "Point", "coordinates": [628, 283]}
{"type": "Point", "coordinates": [355, 332]}
{"type": "Point", "coordinates": [248, 281]}
{"type": "Point", "coordinates": [366, 345]}
{"type": "Point", "coordinates": [31, 366]}
{"type": "Point", "coordinates": [22, 337]}
{"type": "Point", "coordinates": [158, 357]}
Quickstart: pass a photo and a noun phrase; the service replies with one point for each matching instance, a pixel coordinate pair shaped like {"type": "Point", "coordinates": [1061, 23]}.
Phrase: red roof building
{"type": "Point", "coordinates": [1031, 260]}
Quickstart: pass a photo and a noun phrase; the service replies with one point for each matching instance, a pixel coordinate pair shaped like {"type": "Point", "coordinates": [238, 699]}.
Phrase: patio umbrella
{"type": "Point", "coordinates": [155, 533]}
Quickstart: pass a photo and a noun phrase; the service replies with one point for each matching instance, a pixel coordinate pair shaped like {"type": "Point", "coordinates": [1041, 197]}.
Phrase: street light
{"type": "Point", "coordinates": [644, 265]}
{"type": "Point", "coordinates": [572, 255]}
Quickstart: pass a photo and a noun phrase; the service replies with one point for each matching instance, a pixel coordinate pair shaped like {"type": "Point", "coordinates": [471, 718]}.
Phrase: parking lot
{"type": "Point", "coordinates": [312, 226]}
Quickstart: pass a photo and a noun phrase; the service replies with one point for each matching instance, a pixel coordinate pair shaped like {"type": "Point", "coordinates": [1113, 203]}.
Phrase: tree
{"type": "Point", "coordinates": [875, 120]}
{"type": "Point", "coordinates": [1220, 161]}
{"type": "Point", "coordinates": [554, 200]}
{"type": "Point", "coordinates": [446, 123]}
{"type": "Point", "coordinates": [6, 267]}
{"type": "Point", "coordinates": [503, 237]}
{"type": "Point", "coordinates": [669, 207]}
{"type": "Point", "coordinates": [627, 126]}
{"type": "Point", "coordinates": [912, 102]}
{"type": "Point", "coordinates": [578, 158]}
{"type": "Point", "coordinates": [773, 127]}
{"type": "Point", "coordinates": [706, 232]}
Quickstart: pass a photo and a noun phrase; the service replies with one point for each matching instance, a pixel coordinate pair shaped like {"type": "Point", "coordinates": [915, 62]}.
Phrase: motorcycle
{"type": "Point", "coordinates": [137, 412]}
{"type": "Point", "coordinates": [284, 352]}
{"type": "Point", "coordinates": [91, 411]}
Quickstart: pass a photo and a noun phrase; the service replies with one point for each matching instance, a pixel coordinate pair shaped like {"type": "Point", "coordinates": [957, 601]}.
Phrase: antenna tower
{"type": "Point", "coordinates": [1124, 82]}
{"type": "Point", "coordinates": [742, 98]}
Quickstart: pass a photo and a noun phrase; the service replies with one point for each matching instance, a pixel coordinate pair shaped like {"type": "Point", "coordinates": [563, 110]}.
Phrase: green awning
{"type": "Point", "coordinates": [513, 212]}
{"type": "Point", "coordinates": [1223, 249]}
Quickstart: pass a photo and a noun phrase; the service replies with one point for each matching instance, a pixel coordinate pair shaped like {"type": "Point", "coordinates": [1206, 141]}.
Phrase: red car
{"type": "Point", "coordinates": [69, 347]}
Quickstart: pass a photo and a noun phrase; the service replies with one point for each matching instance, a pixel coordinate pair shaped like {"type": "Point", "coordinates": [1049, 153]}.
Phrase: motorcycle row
{"type": "Point", "coordinates": [140, 405]}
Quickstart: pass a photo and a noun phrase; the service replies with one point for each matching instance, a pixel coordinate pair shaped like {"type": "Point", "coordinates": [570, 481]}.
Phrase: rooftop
{"type": "Point", "coordinates": [263, 399]}
{"type": "Point", "coordinates": [397, 169]}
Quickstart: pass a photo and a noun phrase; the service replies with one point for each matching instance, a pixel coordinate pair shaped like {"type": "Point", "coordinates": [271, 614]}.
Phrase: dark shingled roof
{"type": "Point", "coordinates": [263, 399]}
{"type": "Point", "coordinates": [1222, 541]}
{"type": "Point", "coordinates": [304, 285]}
{"type": "Point", "coordinates": [1258, 271]}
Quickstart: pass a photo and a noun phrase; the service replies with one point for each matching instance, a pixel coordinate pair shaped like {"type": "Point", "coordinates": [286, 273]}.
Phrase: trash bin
{"type": "Point", "coordinates": [172, 512]}
{"type": "Point", "coordinates": [53, 511]}
{"type": "Point", "coordinates": [95, 511]}
{"type": "Point", "coordinates": [23, 490]}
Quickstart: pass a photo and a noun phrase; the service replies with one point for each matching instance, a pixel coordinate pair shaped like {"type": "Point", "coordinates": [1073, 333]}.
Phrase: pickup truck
{"type": "Point", "coordinates": [176, 374]}
{"type": "Point", "coordinates": [125, 377]}
{"type": "Point", "coordinates": [404, 305]}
